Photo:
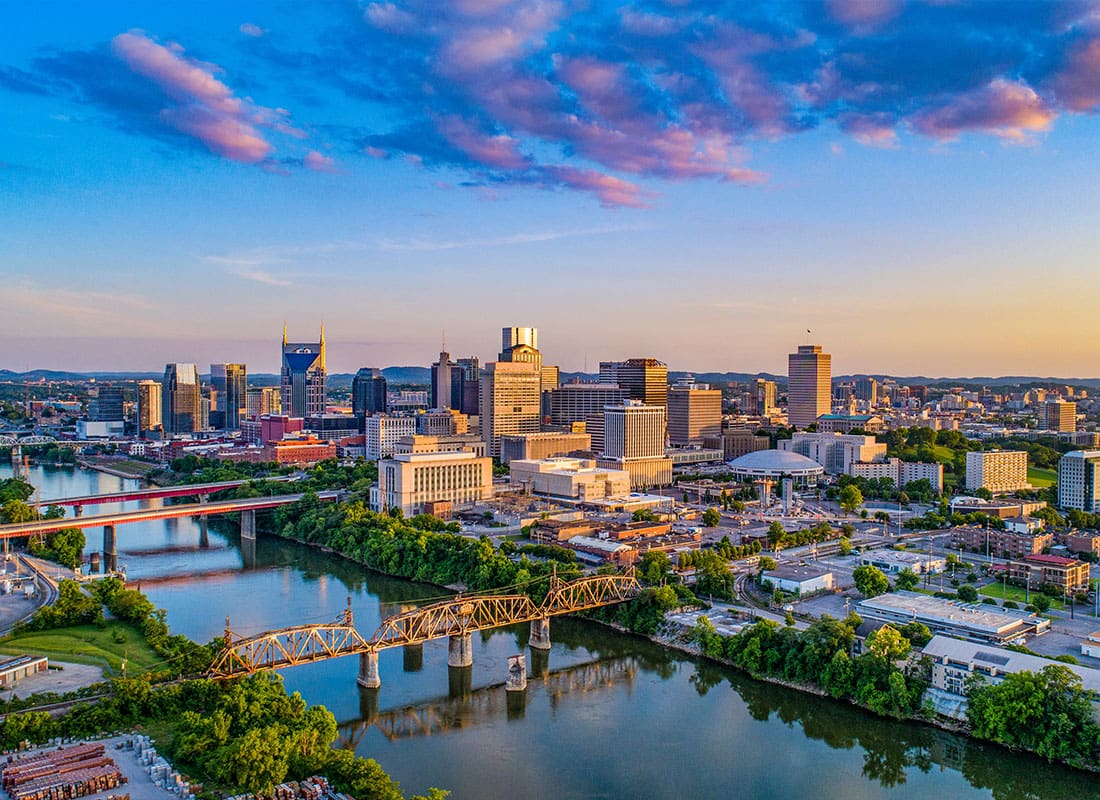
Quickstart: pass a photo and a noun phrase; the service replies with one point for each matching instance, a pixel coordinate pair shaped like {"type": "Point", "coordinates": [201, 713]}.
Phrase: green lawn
{"type": "Point", "coordinates": [1011, 592]}
{"type": "Point", "coordinates": [87, 644]}
{"type": "Point", "coordinates": [1041, 478]}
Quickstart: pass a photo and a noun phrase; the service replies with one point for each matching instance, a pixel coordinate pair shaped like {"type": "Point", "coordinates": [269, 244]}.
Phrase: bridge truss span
{"type": "Point", "coordinates": [588, 593]}
{"type": "Point", "coordinates": [453, 618]}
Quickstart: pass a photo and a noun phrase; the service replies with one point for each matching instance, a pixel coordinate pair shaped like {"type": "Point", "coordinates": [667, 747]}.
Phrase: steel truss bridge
{"type": "Point", "coordinates": [456, 618]}
{"type": "Point", "coordinates": [6, 440]}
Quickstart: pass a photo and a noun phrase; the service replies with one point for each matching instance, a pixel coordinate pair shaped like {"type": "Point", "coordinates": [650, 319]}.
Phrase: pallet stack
{"type": "Point", "coordinates": [61, 774]}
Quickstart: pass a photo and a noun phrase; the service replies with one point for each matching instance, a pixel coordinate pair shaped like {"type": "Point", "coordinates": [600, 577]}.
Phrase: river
{"type": "Point", "coordinates": [605, 715]}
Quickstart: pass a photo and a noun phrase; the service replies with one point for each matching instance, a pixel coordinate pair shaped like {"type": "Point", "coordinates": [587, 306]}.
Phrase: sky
{"type": "Point", "coordinates": [913, 185]}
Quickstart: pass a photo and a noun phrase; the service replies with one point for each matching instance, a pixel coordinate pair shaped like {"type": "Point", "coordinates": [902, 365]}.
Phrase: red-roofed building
{"type": "Point", "coordinates": [1068, 574]}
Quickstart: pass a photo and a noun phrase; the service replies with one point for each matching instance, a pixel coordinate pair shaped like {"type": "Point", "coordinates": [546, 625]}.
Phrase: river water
{"type": "Point", "coordinates": [605, 715]}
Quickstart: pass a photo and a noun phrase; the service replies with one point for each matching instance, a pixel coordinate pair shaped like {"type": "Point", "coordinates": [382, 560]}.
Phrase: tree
{"type": "Point", "coordinates": [655, 566]}
{"type": "Point", "coordinates": [644, 515]}
{"type": "Point", "coordinates": [887, 643]}
{"type": "Point", "coordinates": [967, 593]}
{"type": "Point", "coordinates": [776, 535]}
{"type": "Point", "coordinates": [711, 518]}
{"type": "Point", "coordinates": [906, 580]}
{"type": "Point", "coordinates": [870, 580]}
{"type": "Point", "coordinates": [850, 498]}
{"type": "Point", "coordinates": [845, 547]}
{"type": "Point", "coordinates": [1041, 602]}
{"type": "Point", "coordinates": [766, 563]}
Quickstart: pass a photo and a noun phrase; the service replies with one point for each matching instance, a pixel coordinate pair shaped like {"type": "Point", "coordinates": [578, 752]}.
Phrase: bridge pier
{"type": "Point", "coordinates": [204, 532]}
{"type": "Point", "coordinates": [248, 524]}
{"type": "Point", "coordinates": [460, 681]}
{"type": "Point", "coordinates": [540, 634]}
{"type": "Point", "coordinates": [517, 674]}
{"type": "Point", "coordinates": [78, 511]}
{"type": "Point", "coordinates": [110, 549]}
{"type": "Point", "coordinates": [248, 553]}
{"type": "Point", "coordinates": [368, 670]}
{"type": "Point", "coordinates": [413, 657]}
{"type": "Point", "coordinates": [460, 651]}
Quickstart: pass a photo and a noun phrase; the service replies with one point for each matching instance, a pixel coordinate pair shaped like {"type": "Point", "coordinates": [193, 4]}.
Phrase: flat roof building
{"type": "Point", "coordinates": [977, 622]}
{"type": "Point", "coordinates": [570, 478]}
{"type": "Point", "coordinates": [415, 481]}
{"type": "Point", "coordinates": [999, 471]}
{"type": "Point", "coordinates": [798, 580]}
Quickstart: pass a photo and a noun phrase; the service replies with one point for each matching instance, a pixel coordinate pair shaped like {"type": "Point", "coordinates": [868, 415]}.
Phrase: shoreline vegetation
{"type": "Point", "coordinates": [886, 679]}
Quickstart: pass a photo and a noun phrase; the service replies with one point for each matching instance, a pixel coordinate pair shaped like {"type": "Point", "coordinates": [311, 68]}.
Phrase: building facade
{"type": "Point", "coordinates": [999, 544]}
{"type": "Point", "coordinates": [381, 433]}
{"type": "Point", "coordinates": [413, 482]}
{"type": "Point", "coordinates": [1079, 480]}
{"type": "Point", "coordinates": [569, 478]}
{"type": "Point", "coordinates": [509, 402]}
{"type": "Point", "coordinates": [809, 385]}
{"type": "Point", "coordinates": [262, 402]}
{"type": "Point", "coordinates": [537, 446]}
{"type": "Point", "coordinates": [999, 471]}
{"type": "Point", "coordinates": [642, 379]}
{"type": "Point", "coordinates": [303, 376]}
{"type": "Point", "coordinates": [574, 402]}
{"type": "Point", "coordinates": [230, 384]}
{"type": "Point", "coordinates": [634, 440]}
{"type": "Point", "coordinates": [181, 399]}
{"type": "Point", "coordinates": [149, 406]}
{"type": "Point", "coordinates": [835, 452]}
{"type": "Point", "coordinates": [368, 392]}
{"type": "Point", "coordinates": [1059, 415]}
{"type": "Point", "coordinates": [694, 412]}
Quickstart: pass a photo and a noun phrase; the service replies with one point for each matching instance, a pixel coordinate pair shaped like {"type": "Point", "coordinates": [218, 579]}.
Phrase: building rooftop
{"type": "Point", "coordinates": [1058, 561]}
{"type": "Point", "coordinates": [776, 462]}
{"type": "Point", "coordinates": [978, 618]}
{"type": "Point", "coordinates": [959, 651]}
{"type": "Point", "coordinates": [793, 572]}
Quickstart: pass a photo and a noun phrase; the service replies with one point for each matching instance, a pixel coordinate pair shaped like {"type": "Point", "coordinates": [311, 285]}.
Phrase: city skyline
{"type": "Point", "coordinates": [914, 183]}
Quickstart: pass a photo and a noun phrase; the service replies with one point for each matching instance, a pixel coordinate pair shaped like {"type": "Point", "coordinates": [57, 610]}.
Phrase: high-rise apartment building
{"type": "Point", "coordinates": [381, 433]}
{"type": "Point", "coordinates": [263, 401]}
{"type": "Point", "coordinates": [230, 383]}
{"type": "Point", "coordinates": [809, 385]}
{"type": "Point", "coordinates": [1059, 415]}
{"type": "Point", "coordinates": [634, 441]}
{"type": "Point", "coordinates": [149, 406]}
{"type": "Point", "coordinates": [764, 394]}
{"type": "Point", "coordinates": [642, 379]}
{"type": "Point", "coordinates": [999, 471]}
{"type": "Point", "coordinates": [303, 376]}
{"type": "Point", "coordinates": [1079, 480]}
{"type": "Point", "coordinates": [694, 411]}
{"type": "Point", "coordinates": [181, 399]}
{"type": "Point", "coordinates": [368, 392]}
{"type": "Point", "coordinates": [509, 402]}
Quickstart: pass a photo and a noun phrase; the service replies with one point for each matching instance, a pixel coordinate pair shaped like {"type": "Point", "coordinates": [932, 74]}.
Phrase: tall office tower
{"type": "Point", "coordinates": [634, 441]}
{"type": "Point", "coordinates": [694, 411]}
{"type": "Point", "coordinates": [1059, 415]}
{"type": "Point", "coordinates": [643, 379]}
{"type": "Point", "coordinates": [149, 404]}
{"type": "Point", "coordinates": [509, 402]}
{"type": "Point", "coordinates": [809, 385]}
{"type": "Point", "coordinates": [468, 372]}
{"type": "Point", "coordinates": [514, 337]}
{"type": "Point", "coordinates": [866, 389]}
{"type": "Point", "coordinates": [764, 395]}
{"type": "Point", "coordinates": [551, 377]}
{"type": "Point", "coordinates": [1079, 480]}
{"type": "Point", "coordinates": [181, 399]}
{"type": "Point", "coordinates": [263, 401]}
{"type": "Point", "coordinates": [441, 394]}
{"type": "Point", "coordinates": [108, 405]}
{"type": "Point", "coordinates": [574, 402]}
{"type": "Point", "coordinates": [230, 382]}
{"type": "Point", "coordinates": [368, 392]}
{"type": "Point", "coordinates": [303, 377]}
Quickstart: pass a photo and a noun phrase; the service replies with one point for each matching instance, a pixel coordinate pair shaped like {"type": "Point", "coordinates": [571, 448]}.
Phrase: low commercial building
{"type": "Point", "coordinates": [1082, 542]}
{"type": "Point", "coordinates": [799, 580]}
{"type": "Point", "coordinates": [842, 423]}
{"type": "Point", "coordinates": [569, 478]}
{"type": "Point", "coordinates": [413, 481]}
{"type": "Point", "coordinates": [835, 452]}
{"type": "Point", "coordinates": [14, 669]}
{"type": "Point", "coordinates": [1091, 646]}
{"type": "Point", "coordinates": [1003, 508]}
{"type": "Point", "coordinates": [1068, 575]}
{"type": "Point", "coordinates": [976, 622]}
{"type": "Point", "coordinates": [453, 443]}
{"type": "Point", "coordinates": [736, 442]}
{"type": "Point", "coordinates": [894, 561]}
{"type": "Point", "coordinates": [955, 662]}
{"type": "Point", "coordinates": [999, 544]}
{"type": "Point", "coordinates": [693, 456]}
{"type": "Point", "coordinates": [775, 464]}
{"type": "Point", "coordinates": [643, 472]}
{"type": "Point", "coordinates": [304, 450]}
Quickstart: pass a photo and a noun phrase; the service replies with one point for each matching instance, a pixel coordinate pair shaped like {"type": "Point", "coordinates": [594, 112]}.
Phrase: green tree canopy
{"type": "Point", "coordinates": [870, 580]}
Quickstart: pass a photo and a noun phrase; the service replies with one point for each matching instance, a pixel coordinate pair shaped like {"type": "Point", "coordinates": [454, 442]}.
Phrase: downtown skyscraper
{"type": "Point", "coordinates": [303, 376]}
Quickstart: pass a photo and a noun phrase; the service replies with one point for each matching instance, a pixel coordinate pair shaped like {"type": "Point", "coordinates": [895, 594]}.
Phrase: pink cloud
{"type": "Point", "coordinates": [1008, 109]}
{"type": "Point", "coordinates": [610, 190]}
{"type": "Point", "coordinates": [255, 31]}
{"type": "Point", "coordinates": [389, 17]}
{"type": "Point", "coordinates": [205, 108]}
{"type": "Point", "coordinates": [498, 152]}
{"type": "Point", "coordinates": [863, 15]}
{"type": "Point", "coordinates": [872, 130]}
{"type": "Point", "coordinates": [1077, 86]}
{"type": "Point", "coordinates": [318, 162]}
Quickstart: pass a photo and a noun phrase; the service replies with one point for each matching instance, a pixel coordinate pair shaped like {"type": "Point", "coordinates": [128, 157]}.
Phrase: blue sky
{"type": "Point", "coordinates": [917, 183]}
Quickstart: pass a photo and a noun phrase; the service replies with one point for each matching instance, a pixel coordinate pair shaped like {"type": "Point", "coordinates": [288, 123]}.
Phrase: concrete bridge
{"type": "Point", "coordinates": [247, 508]}
{"type": "Point", "coordinates": [201, 490]}
{"type": "Point", "coordinates": [456, 618]}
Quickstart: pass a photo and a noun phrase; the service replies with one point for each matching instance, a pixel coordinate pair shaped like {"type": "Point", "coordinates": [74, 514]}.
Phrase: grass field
{"type": "Point", "coordinates": [1041, 478]}
{"type": "Point", "coordinates": [87, 644]}
{"type": "Point", "coordinates": [1011, 592]}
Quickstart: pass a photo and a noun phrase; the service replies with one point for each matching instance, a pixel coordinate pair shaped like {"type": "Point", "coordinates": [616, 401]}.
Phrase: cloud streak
{"type": "Point", "coordinates": [423, 246]}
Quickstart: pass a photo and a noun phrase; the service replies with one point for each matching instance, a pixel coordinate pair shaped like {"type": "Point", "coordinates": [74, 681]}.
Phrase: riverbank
{"type": "Point", "coordinates": [120, 468]}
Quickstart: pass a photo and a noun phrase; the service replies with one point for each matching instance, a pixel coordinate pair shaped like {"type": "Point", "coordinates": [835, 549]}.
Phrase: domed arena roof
{"type": "Point", "coordinates": [774, 463]}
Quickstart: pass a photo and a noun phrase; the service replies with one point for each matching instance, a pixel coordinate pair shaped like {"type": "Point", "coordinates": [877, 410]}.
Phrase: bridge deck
{"type": "Point", "coordinates": [183, 490]}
